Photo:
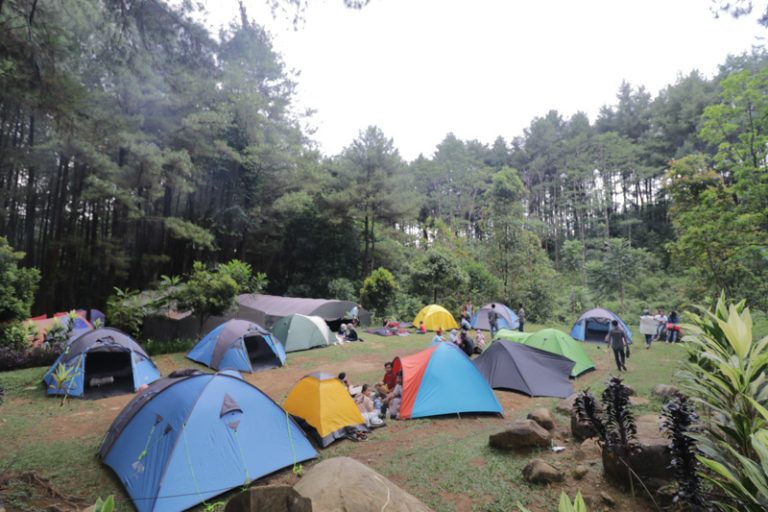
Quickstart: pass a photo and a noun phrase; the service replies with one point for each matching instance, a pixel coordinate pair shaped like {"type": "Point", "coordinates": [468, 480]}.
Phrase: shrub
{"type": "Point", "coordinates": [378, 292]}
{"type": "Point", "coordinates": [126, 311]}
{"type": "Point", "coordinates": [154, 347]}
{"type": "Point", "coordinates": [207, 293]}
{"type": "Point", "coordinates": [342, 289]}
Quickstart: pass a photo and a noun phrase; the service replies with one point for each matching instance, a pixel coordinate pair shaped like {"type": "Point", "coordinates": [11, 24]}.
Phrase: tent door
{"type": "Point", "coordinates": [260, 353]}
{"type": "Point", "coordinates": [108, 373]}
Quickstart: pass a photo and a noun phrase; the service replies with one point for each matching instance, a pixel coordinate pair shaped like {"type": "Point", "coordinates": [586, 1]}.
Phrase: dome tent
{"type": "Point", "coordinates": [510, 365]}
{"type": "Point", "coordinates": [557, 342]}
{"type": "Point", "coordinates": [594, 325]}
{"type": "Point", "coordinates": [324, 407]}
{"type": "Point", "coordinates": [299, 332]}
{"type": "Point", "coordinates": [435, 317]}
{"type": "Point", "coordinates": [105, 359]}
{"type": "Point", "coordinates": [195, 435]}
{"type": "Point", "coordinates": [442, 380]}
{"type": "Point", "coordinates": [507, 318]}
{"type": "Point", "coordinates": [239, 345]}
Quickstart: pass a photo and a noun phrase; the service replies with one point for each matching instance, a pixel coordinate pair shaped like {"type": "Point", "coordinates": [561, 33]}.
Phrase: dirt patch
{"type": "Point", "coordinates": [17, 488]}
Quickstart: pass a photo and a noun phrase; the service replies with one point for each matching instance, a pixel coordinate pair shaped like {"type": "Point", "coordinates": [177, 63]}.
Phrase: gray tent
{"type": "Point", "coordinates": [510, 365]}
{"type": "Point", "coordinates": [267, 309]}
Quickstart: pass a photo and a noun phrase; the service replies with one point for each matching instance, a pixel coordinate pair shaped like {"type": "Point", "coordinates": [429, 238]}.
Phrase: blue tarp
{"type": "Point", "coordinates": [185, 440]}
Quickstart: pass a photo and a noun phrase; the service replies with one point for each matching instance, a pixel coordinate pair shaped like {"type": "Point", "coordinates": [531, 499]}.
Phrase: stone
{"type": "Point", "coordinates": [342, 483]}
{"type": "Point", "coordinates": [638, 401]}
{"type": "Point", "coordinates": [539, 472]}
{"type": "Point", "coordinates": [580, 472]}
{"type": "Point", "coordinates": [665, 390]}
{"type": "Point", "coordinates": [543, 417]}
{"type": "Point", "coordinates": [607, 499]}
{"type": "Point", "coordinates": [565, 405]}
{"type": "Point", "coordinates": [588, 450]}
{"type": "Point", "coordinates": [521, 434]}
{"type": "Point", "coordinates": [277, 498]}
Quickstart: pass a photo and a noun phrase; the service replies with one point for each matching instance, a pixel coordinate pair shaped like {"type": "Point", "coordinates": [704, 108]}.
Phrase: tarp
{"type": "Point", "coordinates": [557, 342]}
{"type": "Point", "coordinates": [184, 440]}
{"type": "Point", "coordinates": [324, 404]}
{"type": "Point", "coordinates": [507, 318]}
{"type": "Point", "coordinates": [102, 354]}
{"type": "Point", "coordinates": [239, 345]}
{"type": "Point", "coordinates": [442, 380]}
{"type": "Point", "coordinates": [510, 365]}
{"type": "Point", "coordinates": [300, 332]}
{"type": "Point", "coordinates": [435, 317]}
{"type": "Point", "coordinates": [595, 324]}
{"type": "Point", "coordinates": [267, 309]}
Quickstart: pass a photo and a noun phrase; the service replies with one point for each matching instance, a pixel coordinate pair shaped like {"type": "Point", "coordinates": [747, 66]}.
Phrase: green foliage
{"type": "Point", "coordinates": [342, 289]}
{"type": "Point", "coordinates": [207, 292]}
{"type": "Point", "coordinates": [198, 237]}
{"type": "Point", "coordinates": [155, 347]}
{"type": "Point", "coordinates": [438, 278]}
{"type": "Point", "coordinates": [126, 311]}
{"type": "Point", "coordinates": [726, 376]}
{"type": "Point", "coordinates": [242, 274]}
{"type": "Point", "coordinates": [17, 292]}
{"type": "Point", "coordinates": [565, 504]}
{"type": "Point", "coordinates": [107, 505]}
{"type": "Point", "coordinates": [62, 377]}
{"type": "Point", "coordinates": [378, 291]}
{"type": "Point", "coordinates": [619, 265]}
{"type": "Point", "coordinates": [58, 335]}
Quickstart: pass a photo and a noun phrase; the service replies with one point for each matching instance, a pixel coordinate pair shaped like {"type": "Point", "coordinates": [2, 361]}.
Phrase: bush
{"type": "Point", "coordinates": [378, 291]}
{"type": "Point", "coordinates": [17, 293]}
{"type": "Point", "coordinates": [342, 289]}
{"type": "Point", "coordinates": [155, 348]}
{"type": "Point", "coordinates": [13, 359]}
{"type": "Point", "coordinates": [126, 311]}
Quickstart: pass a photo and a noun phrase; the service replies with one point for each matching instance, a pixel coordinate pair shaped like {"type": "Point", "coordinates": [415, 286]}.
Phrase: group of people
{"type": "Point", "coordinates": [380, 401]}
{"type": "Point", "coordinates": [462, 339]}
{"type": "Point", "coordinates": [660, 327]}
{"type": "Point", "coordinates": [347, 332]}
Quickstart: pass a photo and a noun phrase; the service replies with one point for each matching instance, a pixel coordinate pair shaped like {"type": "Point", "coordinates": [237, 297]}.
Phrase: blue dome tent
{"type": "Point", "coordinates": [239, 345]}
{"type": "Point", "coordinates": [594, 325]}
{"type": "Point", "coordinates": [195, 435]}
{"type": "Point", "coordinates": [103, 361]}
{"type": "Point", "coordinates": [507, 318]}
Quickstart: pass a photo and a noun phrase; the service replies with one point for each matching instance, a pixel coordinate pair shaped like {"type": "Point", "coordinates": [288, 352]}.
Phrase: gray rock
{"type": "Point", "coordinates": [565, 405]}
{"type": "Point", "coordinates": [539, 472]}
{"type": "Point", "coordinates": [665, 390]}
{"type": "Point", "coordinates": [342, 483]}
{"type": "Point", "coordinates": [521, 434]}
{"type": "Point", "coordinates": [580, 472]}
{"type": "Point", "coordinates": [589, 450]}
{"type": "Point", "coordinates": [277, 498]}
{"type": "Point", "coordinates": [543, 417]}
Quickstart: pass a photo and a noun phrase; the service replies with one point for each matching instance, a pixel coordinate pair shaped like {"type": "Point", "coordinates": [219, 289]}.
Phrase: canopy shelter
{"type": "Point", "coordinates": [190, 437]}
{"type": "Point", "coordinates": [595, 324]}
{"type": "Point", "coordinates": [239, 345]}
{"type": "Point", "coordinates": [324, 408]}
{"type": "Point", "coordinates": [507, 318]}
{"type": "Point", "coordinates": [509, 365]}
{"type": "Point", "coordinates": [266, 310]}
{"type": "Point", "coordinates": [557, 342]}
{"type": "Point", "coordinates": [299, 332]}
{"type": "Point", "coordinates": [102, 362]}
{"type": "Point", "coordinates": [435, 317]}
{"type": "Point", "coordinates": [442, 380]}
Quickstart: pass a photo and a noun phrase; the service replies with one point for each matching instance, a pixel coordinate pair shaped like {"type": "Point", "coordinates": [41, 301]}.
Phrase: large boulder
{"type": "Point", "coordinates": [543, 417]}
{"type": "Point", "coordinates": [521, 435]}
{"type": "Point", "coordinates": [539, 472]}
{"type": "Point", "coordinates": [342, 483]}
{"type": "Point", "coordinates": [565, 405]}
{"type": "Point", "coordinates": [275, 498]}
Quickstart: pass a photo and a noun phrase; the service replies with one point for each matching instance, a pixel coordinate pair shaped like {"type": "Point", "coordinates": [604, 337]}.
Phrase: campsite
{"type": "Point", "coordinates": [59, 443]}
{"type": "Point", "coordinates": [383, 255]}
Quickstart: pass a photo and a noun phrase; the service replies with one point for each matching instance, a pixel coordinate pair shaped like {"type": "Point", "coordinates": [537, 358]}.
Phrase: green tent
{"type": "Point", "coordinates": [299, 332]}
{"type": "Point", "coordinates": [557, 342]}
{"type": "Point", "coordinates": [510, 335]}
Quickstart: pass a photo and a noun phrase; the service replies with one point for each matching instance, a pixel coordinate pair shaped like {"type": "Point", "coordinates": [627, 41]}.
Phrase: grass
{"type": "Point", "coordinates": [446, 463]}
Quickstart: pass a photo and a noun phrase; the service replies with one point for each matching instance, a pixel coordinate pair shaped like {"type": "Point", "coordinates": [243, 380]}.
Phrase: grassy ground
{"type": "Point", "coordinates": [445, 462]}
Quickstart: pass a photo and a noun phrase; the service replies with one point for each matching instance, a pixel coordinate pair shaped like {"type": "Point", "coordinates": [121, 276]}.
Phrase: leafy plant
{"type": "Point", "coordinates": [62, 378]}
{"type": "Point", "coordinates": [680, 421]}
{"type": "Point", "coordinates": [59, 333]}
{"type": "Point", "coordinates": [379, 291]}
{"type": "Point", "coordinates": [17, 293]}
{"type": "Point", "coordinates": [565, 504]}
{"type": "Point", "coordinates": [620, 428]}
{"type": "Point", "coordinates": [726, 376]}
{"type": "Point", "coordinates": [125, 311]}
{"type": "Point", "coordinates": [587, 411]}
{"type": "Point", "coordinates": [207, 292]}
{"type": "Point", "coordinates": [107, 505]}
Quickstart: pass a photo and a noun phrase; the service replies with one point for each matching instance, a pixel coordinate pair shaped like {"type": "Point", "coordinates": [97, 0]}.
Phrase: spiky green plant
{"type": "Point", "coordinates": [62, 380]}
{"type": "Point", "coordinates": [565, 504]}
{"type": "Point", "coordinates": [588, 412]}
{"type": "Point", "coordinates": [620, 428]}
{"type": "Point", "coordinates": [726, 376]}
{"type": "Point", "coordinates": [679, 422]}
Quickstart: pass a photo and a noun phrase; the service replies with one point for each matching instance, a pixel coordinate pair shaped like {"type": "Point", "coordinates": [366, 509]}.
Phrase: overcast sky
{"type": "Point", "coordinates": [420, 69]}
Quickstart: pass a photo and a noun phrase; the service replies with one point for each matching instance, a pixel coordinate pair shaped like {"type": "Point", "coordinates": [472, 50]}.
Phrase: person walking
{"type": "Point", "coordinates": [648, 326]}
{"type": "Point", "coordinates": [493, 320]}
{"type": "Point", "coordinates": [618, 341]}
{"type": "Point", "coordinates": [520, 317]}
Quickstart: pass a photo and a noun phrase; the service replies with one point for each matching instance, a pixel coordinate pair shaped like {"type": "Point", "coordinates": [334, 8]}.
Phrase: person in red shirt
{"type": "Point", "coordinates": [389, 381]}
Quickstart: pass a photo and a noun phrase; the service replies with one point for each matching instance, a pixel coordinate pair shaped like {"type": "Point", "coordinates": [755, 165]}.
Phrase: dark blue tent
{"type": "Point", "coordinates": [594, 325]}
{"type": "Point", "coordinates": [104, 361]}
{"type": "Point", "coordinates": [239, 345]}
{"type": "Point", "coordinates": [186, 439]}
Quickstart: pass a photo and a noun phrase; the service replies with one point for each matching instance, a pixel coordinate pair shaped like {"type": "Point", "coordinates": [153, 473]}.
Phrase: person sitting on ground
{"type": "Point", "coordinates": [344, 380]}
{"type": "Point", "coordinates": [389, 381]}
{"type": "Point", "coordinates": [661, 328]}
{"type": "Point", "coordinates": [466, 344]}
{"type": "Point", "coordinates": [351, 334]}
{"type": "Point", "coordinates": [453, 337]}
{"type": "Point", "coordinates": [367, 409]}
{"type": "Point", "coordinates": [479, 341]}
{"type": "Point", "coordinates": [422, 327]}
{"type": "Point", "coordinates": [390, 406]}
{"type": "Point", "coordinates": [465, 325]}
{"type": "Point", "coordinates": [342, 335]}
{"type": "Point", "coordinates": [673, 329]}
{"type": "Point", "coordinates": [438, 336]}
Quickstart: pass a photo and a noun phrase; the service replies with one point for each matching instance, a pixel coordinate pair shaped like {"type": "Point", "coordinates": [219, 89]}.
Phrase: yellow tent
{"type": "Point", "coordinates": [435, 316]}
{"type": "Point", "coordinates": [323, 407]}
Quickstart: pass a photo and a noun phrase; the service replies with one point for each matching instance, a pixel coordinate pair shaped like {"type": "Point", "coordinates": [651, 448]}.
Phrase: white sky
{"type": "Point", "coordinates": [419, 69]}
